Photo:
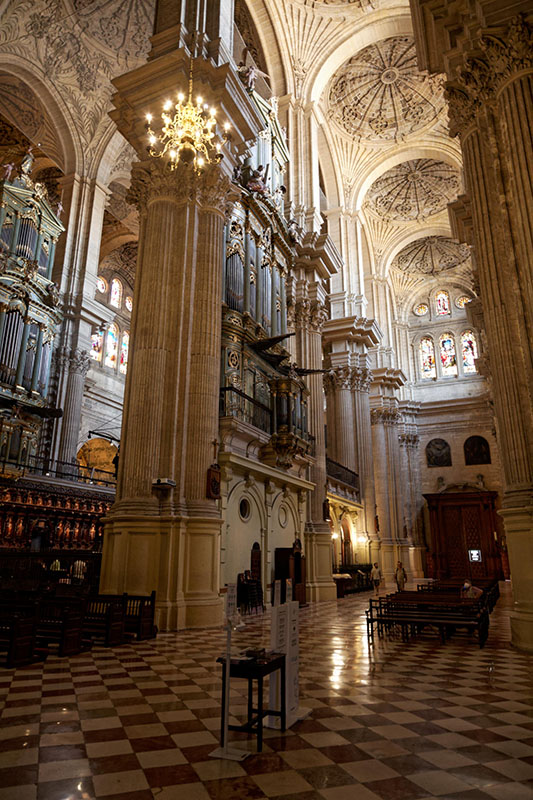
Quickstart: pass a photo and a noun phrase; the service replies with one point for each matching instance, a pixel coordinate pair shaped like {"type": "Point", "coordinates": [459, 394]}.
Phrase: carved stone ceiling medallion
{"type": "Point", "coordinates": [414, 190]}
{"type": "Point", "coordinates": [431, 255]}
{"type": "Point", "coordinates": [380, 95]}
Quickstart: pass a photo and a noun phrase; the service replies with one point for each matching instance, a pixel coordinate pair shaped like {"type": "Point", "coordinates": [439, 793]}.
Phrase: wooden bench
{"type": "Point", "coordinates": [490, 587]}
{"type": "Point", "coordinates": [61, 623]}
{"type": "Point", "coordinates": [387, 614]}
{"type": "Point", "coordinates": [104, 619]}
{"type": "Point", "coordinates": [139, 613]}
{"type": "Point", "coordinates": [18, 637]}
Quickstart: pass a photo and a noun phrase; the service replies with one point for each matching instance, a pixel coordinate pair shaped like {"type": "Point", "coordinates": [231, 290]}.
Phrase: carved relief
{"type": "Point", "coordinates": [431, 255]}
{"type": "Point", "coordinates": [79, 362]}
{"type": "Point", "coordinates": [151, 180]}
{"type": "Point", "coordinates": [414, 190]}
{"type": "Point", "coordinates": [385, 416]}
{"type": "Point", "coordinates": [481, 77]}
{"type": "Point", "coordinates": [380, 95]}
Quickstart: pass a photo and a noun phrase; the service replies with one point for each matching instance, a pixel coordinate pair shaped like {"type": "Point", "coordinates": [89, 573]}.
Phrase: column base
{"type": "Point", "coordinates": [522, 630]}
{"type": "Point", "coordinates": [319, 592]}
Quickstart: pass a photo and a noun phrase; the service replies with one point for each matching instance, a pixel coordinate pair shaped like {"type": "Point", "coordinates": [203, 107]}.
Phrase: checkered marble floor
{"type": "Point", "coordinates": [393, 722]}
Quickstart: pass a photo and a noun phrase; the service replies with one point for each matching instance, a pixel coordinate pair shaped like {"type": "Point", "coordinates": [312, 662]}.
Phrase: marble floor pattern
{"type": "Point", "coordinates": [393, 722]}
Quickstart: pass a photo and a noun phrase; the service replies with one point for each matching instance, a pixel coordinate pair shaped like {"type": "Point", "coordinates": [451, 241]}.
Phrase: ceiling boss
{"type": "Point", "coordinates": [190, 135]}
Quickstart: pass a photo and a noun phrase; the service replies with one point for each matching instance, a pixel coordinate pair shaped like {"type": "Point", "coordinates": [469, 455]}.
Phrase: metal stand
{"type": "Point", "coordinates": [227, 752]}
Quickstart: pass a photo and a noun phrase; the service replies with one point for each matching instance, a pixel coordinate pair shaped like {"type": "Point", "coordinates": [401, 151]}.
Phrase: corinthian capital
{"type": "Point", "coordinates": [153, 180]}
{"type": "Point", "coordinates": [79, 362]}
{"type": "Point", "coordinates": [500, 56]}
{"type": "Point", "coordinates": [385, 416]}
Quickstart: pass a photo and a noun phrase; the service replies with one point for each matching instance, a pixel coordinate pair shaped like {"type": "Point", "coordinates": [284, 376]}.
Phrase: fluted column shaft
{"type": "Point", "coordinates": [365, 457]}
{"type": "Point", "coordinates": [309, 318]}
{"type": "Point", "coordinates": [78, 365]}
{"type": "Point", "coordinates": [491, 105]}
{"type": "Point", "coordinates": [159, 536]}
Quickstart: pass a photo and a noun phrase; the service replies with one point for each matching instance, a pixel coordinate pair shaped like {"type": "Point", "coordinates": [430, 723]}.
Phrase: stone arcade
{"type": "Point", "coordinates": [337, 314]}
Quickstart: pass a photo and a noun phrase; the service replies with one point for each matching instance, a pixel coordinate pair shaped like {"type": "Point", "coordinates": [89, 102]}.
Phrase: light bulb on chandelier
{"type": "Point", "coordinates": [190, 134]}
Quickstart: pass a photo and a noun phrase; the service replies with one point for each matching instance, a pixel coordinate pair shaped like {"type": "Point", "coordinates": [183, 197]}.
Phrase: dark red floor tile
{"type": "Point", "coordinates": [169, 776]}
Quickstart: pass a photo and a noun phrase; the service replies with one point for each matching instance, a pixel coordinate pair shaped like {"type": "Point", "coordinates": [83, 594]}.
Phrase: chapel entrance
{"type": "Point", "coordinates": [464, 528]}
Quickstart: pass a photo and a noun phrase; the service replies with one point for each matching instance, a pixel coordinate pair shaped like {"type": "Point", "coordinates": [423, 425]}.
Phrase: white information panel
{"type": "Point", "coordinates": [284, 639]}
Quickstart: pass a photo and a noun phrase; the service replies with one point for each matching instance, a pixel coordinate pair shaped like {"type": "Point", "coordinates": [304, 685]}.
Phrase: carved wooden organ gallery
{"type": "Point", "coordinates": [29, 312]}
{"type": "Point", "coordinates": [259, 385]}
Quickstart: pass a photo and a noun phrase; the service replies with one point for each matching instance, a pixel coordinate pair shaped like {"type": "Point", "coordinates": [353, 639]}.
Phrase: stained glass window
{"type": "Point", "coordinates": [421, 310]}
{"type": "Point", "coordinates": [427, 357]}
{"type": "Point", "coordinates": [116, 293]}
{"type": "Point", "coordinates": [442, 302]}
{"type": "Point", "coordinates": [101, 285]}
{"type": "Point", "coordinates": [448, 358]}
{"type": "Point", "coordinates": [469, 349]}
{"type": "Point", "coordinates": [111, 347]}
{"type": "Point", "coordinates": [97, 343]}
{"type": "Point", "coordinates": [124, 350]}
{"type": "Point", "coordinates": [462, 301]}
{"type": "Point", "coordinates": [129, 303]}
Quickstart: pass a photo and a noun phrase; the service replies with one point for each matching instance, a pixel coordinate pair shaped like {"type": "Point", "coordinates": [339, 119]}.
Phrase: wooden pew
{"type": "Point", "coordinates": [18, 637]}
{"type": "Point", "coordinates": [490, 587]}
{"type": "Point", "coordinates": [139, 614]}
{"type": "Point", "coordinates": [412, 615]}
{"type": "Point", "coordinates": [61, 622]}
{"type": "Point", "coordinates": [104, 618]}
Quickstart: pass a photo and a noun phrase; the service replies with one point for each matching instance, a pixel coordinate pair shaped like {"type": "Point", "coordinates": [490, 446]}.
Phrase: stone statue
{"type": "Point", "coordinates": [8, 170]}
{"type": "Point", "coordinates": [27, 162]}
{"type": "Point", "coordinates": [249, 75]}
{"type": "Point", "coordinates": [256, 183]}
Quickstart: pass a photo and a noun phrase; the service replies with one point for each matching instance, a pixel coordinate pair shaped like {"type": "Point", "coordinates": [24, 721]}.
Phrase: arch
{"type": "Point", "coordinates": [367, 30]}
{"type": "Point", "coordinates": [408, 151]}
{"type": "Point", "coordinates": [476, 450]}
{"type": "Point", "coordinates": [98, 455]}
{"type": "Point", "coordinates": [438, 453]}
{"type": "Point", "coordinates": [412, 232]}
{"type": "Point", "coordinates": [56, 128]}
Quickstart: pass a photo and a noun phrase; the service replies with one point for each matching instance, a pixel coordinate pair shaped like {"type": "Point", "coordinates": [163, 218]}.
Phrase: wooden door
{"type": "Point", "coordinates": [462, 532]}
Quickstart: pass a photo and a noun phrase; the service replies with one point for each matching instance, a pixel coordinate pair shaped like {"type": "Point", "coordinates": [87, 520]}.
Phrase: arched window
{"type": "Point", "coordinates": [427, 357]}
{"type": "Point", "coordinates": [129, 303]}
{"type": "Point", "coordinates": [116, 293]}
{"type": "Point", "coordinates": [111, 347]}
{"type": "Point", "coordinates": [477, 450]}
{"type": "Point", "coordinates": [469, 350]}
{"type": "Point", "coordinates": [97, 345]}
{"type": "Point", "coordinates": [448, 359]}
{"type": "Point", "coordinates": [101, 285]}
{"type": "Point", "coordinates": [438, 453]}
{"type": "Point", "coordinates": [442, 302]}
{"type": "Point", "coordinates": [124, 351]}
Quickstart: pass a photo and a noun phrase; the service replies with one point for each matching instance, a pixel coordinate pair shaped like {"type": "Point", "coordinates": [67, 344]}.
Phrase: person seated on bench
{"type": "Point", "coordinates": [470, 592]}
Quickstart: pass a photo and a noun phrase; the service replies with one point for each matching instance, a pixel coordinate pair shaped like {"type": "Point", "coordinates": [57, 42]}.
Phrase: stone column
{"type": "Point", "coordinates": [345, 433]}
{"type": "Point", "coordinates": [491, 102]}
{"type": "Point", "coordinates": [78, 365]}
{"type": "Point", "coordinates": [361, 380]}
{"type": "Point", "coordinates": [385, 447]}
{"type": "Point", "coordinates": [309, 318]}
{"type": "Point", "coordinates": [162, 536]}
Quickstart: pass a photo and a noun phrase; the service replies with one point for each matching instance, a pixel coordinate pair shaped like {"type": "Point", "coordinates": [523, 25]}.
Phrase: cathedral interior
{"type": "Point", "coordinates": [266, 315]}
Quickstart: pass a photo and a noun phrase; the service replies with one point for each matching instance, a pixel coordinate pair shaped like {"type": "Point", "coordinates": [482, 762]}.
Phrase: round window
{"type": "Point", "coordinates": [244, 509]}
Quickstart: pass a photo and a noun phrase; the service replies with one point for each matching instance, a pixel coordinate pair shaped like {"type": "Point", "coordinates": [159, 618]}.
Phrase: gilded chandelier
{"type": "Point", "coordinates": [189, 135]}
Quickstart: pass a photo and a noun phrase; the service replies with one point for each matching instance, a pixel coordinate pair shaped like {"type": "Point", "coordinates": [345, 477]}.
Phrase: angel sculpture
{"type": "Point", "coordinates": [249, 74]}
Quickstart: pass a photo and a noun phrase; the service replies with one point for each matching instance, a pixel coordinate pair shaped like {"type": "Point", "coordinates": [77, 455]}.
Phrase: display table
{"type": "Point", "coordinates": [255, 670]}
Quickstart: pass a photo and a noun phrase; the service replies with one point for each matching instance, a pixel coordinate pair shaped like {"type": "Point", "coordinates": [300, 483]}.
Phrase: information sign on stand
{"type": "Point", "coordinates": [284, 639]}
{"type": "Point", "coordinates": [227, 752]}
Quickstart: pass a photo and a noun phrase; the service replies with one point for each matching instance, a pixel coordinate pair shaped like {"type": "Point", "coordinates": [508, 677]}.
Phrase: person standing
{"type": "Point", "coordinates": [376, 577]}
{"type": "Point", "coordinates": [400, 576]}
